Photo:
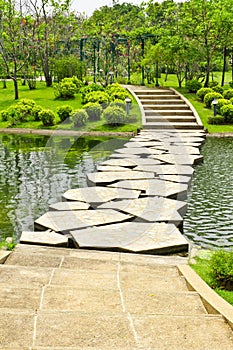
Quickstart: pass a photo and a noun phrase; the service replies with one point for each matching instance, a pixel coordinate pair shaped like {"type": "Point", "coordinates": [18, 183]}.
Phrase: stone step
{"type": "Point", "coordinates": [167, 107]}
{"type": "Point", "coordinates": [175, 126]}
{"type": "Point", "coordinates": [161, 97]}
{"type": "Point", "coordinates": [148, 103]}
{"type": "Point", "coordinates": [147, 92]}
{"type": "Point", "coordinates": [169, 112]}
{"type": "Point", "coordinates": [176, 118]}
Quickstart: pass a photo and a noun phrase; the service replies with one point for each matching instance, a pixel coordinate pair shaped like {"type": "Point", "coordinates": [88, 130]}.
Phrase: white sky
{"type": "Point", "coordinates": [88, 6]}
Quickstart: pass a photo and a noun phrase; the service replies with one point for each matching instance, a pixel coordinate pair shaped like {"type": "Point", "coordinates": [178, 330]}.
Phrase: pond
{"type": "Point", "coordinates": [36, 170]}
{"type": "Point", "coordinates": [209, 219]}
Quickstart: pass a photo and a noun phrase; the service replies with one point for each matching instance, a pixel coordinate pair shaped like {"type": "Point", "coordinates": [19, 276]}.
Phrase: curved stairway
{"type": "Point", "coordinates": [166, 109]}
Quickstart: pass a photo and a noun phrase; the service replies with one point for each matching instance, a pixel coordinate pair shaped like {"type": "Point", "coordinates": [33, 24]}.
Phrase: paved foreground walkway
{"type": "Point", "coordinates": [63, 299]}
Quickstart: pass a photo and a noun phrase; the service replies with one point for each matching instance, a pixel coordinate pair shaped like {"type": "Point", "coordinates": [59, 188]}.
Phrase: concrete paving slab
{"type": "Point", "coordinates": [93, 264]}
{"type": "Point", "coordinates": [163, 303]}
{"type": "Point", "coordinates": [73, 329]}
{"type": "Point", "coordinates": [179, 332]}
{"type": "Point", "coordinates": [150, 207]}
{"type": "Point", "coordinates": [64, 221]}
{"type": "Point", "coordinates": [154, 187]}
{"type": "Point", "coordinates": [15, 297]}
{"type": "Point", "coordinates": [69, 206]}
{"type": "Point", "coordinates": [82, 300]}
{"type": "Point", "coordinates": [16, 328]}
{"type": "Point", "coordinates": [31, 259]}
{"type": "Point", "coordinates": [98, 194]}
{"type": "Point", "coordinates": [25, 276]}
{"type": "Point", "coordinates": [105, 178]}
{"type": "Point", "coordinates": [44, 238]}
{"type": "Point", "coordinates": [137, 237]}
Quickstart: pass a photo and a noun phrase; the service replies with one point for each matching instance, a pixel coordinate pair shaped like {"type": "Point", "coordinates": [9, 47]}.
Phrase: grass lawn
{"type": "Point", "coordinates": [202, 268]}
{"type": "Point", "coordinates": [44, 97]}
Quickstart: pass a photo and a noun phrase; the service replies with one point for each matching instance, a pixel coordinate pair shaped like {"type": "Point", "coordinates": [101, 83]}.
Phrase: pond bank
{"type": "Point", "coordinates": [58, 132]}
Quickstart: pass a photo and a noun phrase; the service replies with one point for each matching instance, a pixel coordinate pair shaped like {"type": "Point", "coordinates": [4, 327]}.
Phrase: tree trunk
{"type": "Point", "coordinates": [224, 64]}
{"type": "Point", "coordinates": [16, 88]}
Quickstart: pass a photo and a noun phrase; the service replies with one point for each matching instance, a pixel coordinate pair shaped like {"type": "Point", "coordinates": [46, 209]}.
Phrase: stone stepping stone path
{"type": "Point", "coordinates": [135, 201]}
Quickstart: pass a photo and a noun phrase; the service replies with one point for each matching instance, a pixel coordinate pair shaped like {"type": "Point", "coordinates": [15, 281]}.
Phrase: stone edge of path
{"type": "Point", "coordinates": [4, 255]}
{"type": "Point", "coordinates": [213, 303]}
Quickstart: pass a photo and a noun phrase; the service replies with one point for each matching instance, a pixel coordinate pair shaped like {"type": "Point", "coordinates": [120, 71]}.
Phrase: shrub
{"type": "Point", "coordinates": [90, 88]}
{"type": "Point", "coordinates": [212, 84]}
{"type": "Point", "coordinates": [221, 265]}
{"type": "Point", "coordinates": [119, 103]}
{"type": "Point", "coordinates": [100, 97]}
{"type": "Point", "coordinates": [65, 90]}
{"type": "Point", "coordinates": [24, 109]}
{"type": "Point", "coordinates": [202, 92]}
{"type": "Point", "coordinates": [4, 115]}
{"type": "Point", "coordinates": [13, 116]}
{"type": "Point", "coordinates": [64, 112]}
{"type": "Point", "coordinates": [35, 112]}
{"type": "Point", "coordinates": [222, 102]}
{"type": "Point", "coordinates": [47, 117]}
{"type": "Point", "coordinates": [231, 100]}
{"type": "Point", "coordinates": [74, 80]}
{"type": "Point", "coordinates": [208, 99]}
{"type": "Point", "coordinates": [218, 89]}
{"type": "Point", "coordinates": [228, 94]}
{"type": "Point", "coordinates": [193, 85]}
{"type": "Point", "coordinates": [227, 112]}
{"type": "Point", "coordinates": [118, 94]}
{"type": "Point", "coordinates": [94, 110]}
{"type": "Point", "coordinates": [79, 117]}
{"type": "Point", "coordinates": [114, 115]}
{"type": "Point", "coordinates": [231, 84]}
{"type": "Point", "coordinates": [218, 120]}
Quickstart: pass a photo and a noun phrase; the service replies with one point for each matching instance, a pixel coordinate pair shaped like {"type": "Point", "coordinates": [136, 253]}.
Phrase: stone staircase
{"type": "Point", "coordinates": [61, 299]}
{"type": "Point", "coordinates": [166, 109]}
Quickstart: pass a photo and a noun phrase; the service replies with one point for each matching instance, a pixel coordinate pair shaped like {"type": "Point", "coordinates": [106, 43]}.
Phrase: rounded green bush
{"type": "Point", "coordinates": [202, 92]}
{"type": "Point", "coordinates": [218, 120]}
{"type": "Point", "coordinates": [221, 267]}
{"type": "Point", "coordinates": [94, 110]}
{"type": "Point", "coordinates": [47, 117]}
{"type": "Point", "coordinates": [114, 115]}
{"type": "Point", "coordinates": [90, 88]}
{"type": "Point", "coordinates": [79, 117]}
{"type": "Point", "coordinates": [218, 89]}
{"type": "Point", "coordinates": [64, 112]}
{"type": "Point", "coordinates": [231, 100]}
{"type": "Point", "coordinates": [222, 102]}
{"type": "Point", "coordinates": [227, 112]}
{"type": "Point", "coordinates": [208, 99]}
{"type": "Point", "coordinates": [65, 90]}
{"type": "Point", "coordinates": [212, 84]}
{"type": "Point", "coordinates": [119, 103]}
{"type": "Point", "coordinates": [35, 112]}
{"type": "Point", "coordinates": [228, 94]}
{"type": "Point", "coordinates": [4, 115]}
{"type": "Point", "coordinates": [100, 97]}
{"type": "Point", "coordinates": [231, 84]}
{"type": "Point", "coordinates": [193, 85]}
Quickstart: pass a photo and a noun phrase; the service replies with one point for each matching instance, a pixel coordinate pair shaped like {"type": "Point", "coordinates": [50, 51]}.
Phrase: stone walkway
{"type": "Point", "coordinates": [66, 299]}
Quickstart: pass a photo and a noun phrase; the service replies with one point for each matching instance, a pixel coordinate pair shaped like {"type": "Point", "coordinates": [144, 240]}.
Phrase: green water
{"type": "Point", "coordinates": [209, 219]}
{"type": "Point", "coordinates": [36, 170]}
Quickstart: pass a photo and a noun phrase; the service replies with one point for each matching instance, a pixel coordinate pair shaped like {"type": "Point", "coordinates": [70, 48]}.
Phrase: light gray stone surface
{"type": "Point", "coordinates": [104, 178]}
{"type": "Point", "coordinates": [184, 159]}
{"type": "Point", "coordinates": [63, 221]}
{"type": "Point", "coordinates": [69, 206]}
{"type": "Point", "coordinates": [167, 169]}
{"type": "Point", "coordinates": [97, 195]}
{"type": "Point", "coordinates": [134, 237]}
{"type": "Point", "coordinates": [44, 238]}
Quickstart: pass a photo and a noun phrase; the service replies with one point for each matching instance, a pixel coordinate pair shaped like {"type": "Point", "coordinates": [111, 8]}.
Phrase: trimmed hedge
{"type": "Point", "coordinates": [79, 117]}
{"type": "Point", "coordinates": [208, 99]}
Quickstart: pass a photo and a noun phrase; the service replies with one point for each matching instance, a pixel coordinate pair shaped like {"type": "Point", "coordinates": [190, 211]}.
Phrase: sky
{"type": "Point", "coordinates": [88, 6]}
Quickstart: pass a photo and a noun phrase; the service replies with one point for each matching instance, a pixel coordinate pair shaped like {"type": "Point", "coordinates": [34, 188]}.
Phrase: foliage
{"type": "Point", "coordinates": [218, 88]}
{"type": "Point", "coordinates": [7, 244]}
{"type": "Point", "coordinates": [193, 85]}
{"type": "Point", "coordinates": [202, 92]}
{"type": "Point", "coordinates": [47, 117]}
{"type": "Point", "coordinates": [4, 115]}
{"type": "Point", "coordinates": [90, 88]}
{"type": "Point", "coordinates": [79, 117]}
{"type": "Point", "coordinates": [64, 112]}
{"type": "Point", "coordinates": [222, 102]}
{"type": "Point", "coordinates": [213, 84]}
{"type": "Point", "coordinates": [227, 112]}
{"type": "Point", "coordinates": [65, 90]}
{"type": "Point", "coordinates": [208, 99]}
{"type": "Point", "coordinates": [231, 84]}
{"type": "Point", "coordinates": [228, 94]}
{"type": "Point", "coordinates": [221, 264]}
{"type": "Point", "coordinates": [119, 103]}
{"type": "Point", "coordinates": [217, 120]}
{"type": "Point", "coordinates": [67, 67]}
{"type": "Point", "coordinates": [77, 82]}
{"type": "Point", "coordinates": [94, 110]}
{"type": "Point", "coordinates": [114, 115]}
{"type": "Point", "coordinates": [97, 96]}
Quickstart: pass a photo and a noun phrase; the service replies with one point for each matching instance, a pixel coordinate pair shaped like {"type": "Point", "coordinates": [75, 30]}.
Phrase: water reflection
{"type": "Point", "coordinates": [209, 219]}
{"type": "Point", "coordinates": [36, 170]}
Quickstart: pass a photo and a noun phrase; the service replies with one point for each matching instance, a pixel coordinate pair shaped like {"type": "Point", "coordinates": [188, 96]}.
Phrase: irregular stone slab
{"type": "Point", "coordinates": [137, 151]}
{"type": "Point", "coordinates": [69, 206]}
{"type": "Point", "coordinates": [183, 149]}
{"type": "Point", "coordinates": [125, 162]}
{"type": "Point", "coordinates": [63, 221]}
{"type": "Point", "coordinates": [184, 159]}
{"type": "Point", "coordinates": [44, 238]}
{"type": "Point", "coordinates": [142, 143]}
{"type": "Point", "coordinates": [123, 155]}
{"type": "Point", "coordinates": [133, 237]}
{"type": "Point", "coordinates": [155, 187]}
{"type": "Point", "coordinates": [4, 255]}
{"type": "Point", "coordinates": [111, 168]}
{"type": "Point", "coordinates": [176, 178]}
{"type": "Point", "coordinates": [155, 209]}
{"type": "Point", "coordinates": [104, 178]}
{"type": "Point", "coordinates": [166, 169]}
{"type": "Point", "coordinates": [98, 195]}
